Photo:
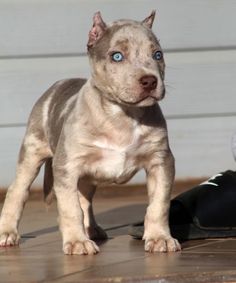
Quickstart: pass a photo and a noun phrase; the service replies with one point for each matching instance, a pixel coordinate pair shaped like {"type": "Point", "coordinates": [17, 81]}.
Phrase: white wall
{"type": "Point", "coordinates": [44, 41]}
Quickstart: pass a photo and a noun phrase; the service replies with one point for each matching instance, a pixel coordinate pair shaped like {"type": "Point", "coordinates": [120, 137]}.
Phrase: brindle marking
{"type": "Point", "coordinates": [100, 130]}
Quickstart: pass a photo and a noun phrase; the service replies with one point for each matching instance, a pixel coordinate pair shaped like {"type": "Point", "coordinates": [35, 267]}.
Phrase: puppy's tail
{"type": "Point", "coordinates": [48, 183]}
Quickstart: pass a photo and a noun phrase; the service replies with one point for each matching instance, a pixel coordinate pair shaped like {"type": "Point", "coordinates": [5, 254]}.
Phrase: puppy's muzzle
{"type": "Point", "coordinates": [148, 82]}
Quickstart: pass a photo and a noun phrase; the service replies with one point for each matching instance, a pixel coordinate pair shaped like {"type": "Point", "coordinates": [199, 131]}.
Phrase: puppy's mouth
{"type": "Point", "coordinates": [149, 98]}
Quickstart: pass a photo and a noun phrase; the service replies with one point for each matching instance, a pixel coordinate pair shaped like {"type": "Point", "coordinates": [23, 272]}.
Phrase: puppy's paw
{"type": "Point", "coordinates": [9, 238]}
{"type": "Point", "coordinates": [86, 247]}
{"type": "Point", "coordinates": [162, 244]}
{"type": "Point", "coordinates": [96, 233]}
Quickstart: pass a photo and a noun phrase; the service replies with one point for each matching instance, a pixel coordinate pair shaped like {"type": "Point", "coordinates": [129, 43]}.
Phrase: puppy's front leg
{"type": "Point", "coordinates": [160, 176]}
{"type": "Point", "coordinates": [70, 212]}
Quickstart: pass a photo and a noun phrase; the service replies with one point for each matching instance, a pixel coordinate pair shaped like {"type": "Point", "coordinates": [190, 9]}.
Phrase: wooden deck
{"type": "Point", "coordinates": [122, 259]}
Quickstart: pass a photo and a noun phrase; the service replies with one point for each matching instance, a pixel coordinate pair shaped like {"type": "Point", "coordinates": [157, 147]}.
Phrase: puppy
{"type": "Point", "coordinates": [100, 130]}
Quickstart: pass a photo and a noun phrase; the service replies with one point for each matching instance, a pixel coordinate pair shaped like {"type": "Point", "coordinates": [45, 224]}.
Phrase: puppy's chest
{"type": "Point", "coordinates": [119, 160]}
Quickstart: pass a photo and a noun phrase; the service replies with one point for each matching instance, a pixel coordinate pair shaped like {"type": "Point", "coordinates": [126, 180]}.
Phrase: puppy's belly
{"type": "Point", "coordinates": [113, 167]}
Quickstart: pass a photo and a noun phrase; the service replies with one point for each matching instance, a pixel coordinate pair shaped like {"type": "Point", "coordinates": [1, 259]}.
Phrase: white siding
{"type": "Point", "coordinates": [44, 41]}
{"type": "Point", "coordinates": [60, 27]}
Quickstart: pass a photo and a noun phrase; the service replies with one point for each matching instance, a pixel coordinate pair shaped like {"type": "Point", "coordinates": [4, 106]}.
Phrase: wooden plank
{"type": "Point", "coordinates": [9, 148]}
{"type": "Point", "coordinates": [201, 148]}
{"type": "Point", "coordinates": [198, 83]}
{"type": "Point", "coordinates": [45, 27]}
{"type": "Point", "coordinates": [23, 81]}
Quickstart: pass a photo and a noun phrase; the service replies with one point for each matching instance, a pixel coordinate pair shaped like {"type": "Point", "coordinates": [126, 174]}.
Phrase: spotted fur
{"type": "Point", "coordinates": [100, 130]}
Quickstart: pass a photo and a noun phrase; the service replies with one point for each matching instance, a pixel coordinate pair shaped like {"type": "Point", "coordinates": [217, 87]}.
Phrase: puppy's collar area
{"type": "Point", "coordinates": [133, 111]}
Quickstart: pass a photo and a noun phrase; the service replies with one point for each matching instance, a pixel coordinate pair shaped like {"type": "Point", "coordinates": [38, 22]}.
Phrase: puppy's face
{"type": "Point", "coordinates": [127, 61]}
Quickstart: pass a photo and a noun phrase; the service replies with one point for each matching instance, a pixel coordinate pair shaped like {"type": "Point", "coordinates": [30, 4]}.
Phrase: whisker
{"type": "Point", "coordinates": [169, 86]}
{"type": "Point", "coordinates": [173, 68]}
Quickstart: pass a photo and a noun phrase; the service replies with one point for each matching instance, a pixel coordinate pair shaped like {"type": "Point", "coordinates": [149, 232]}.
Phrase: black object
{"type": "Point", "coordinates": [205, 211]}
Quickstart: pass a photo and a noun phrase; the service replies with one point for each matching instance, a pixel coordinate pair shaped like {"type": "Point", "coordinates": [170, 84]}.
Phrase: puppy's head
{"type": "Point", "coordinates": [127, 61]}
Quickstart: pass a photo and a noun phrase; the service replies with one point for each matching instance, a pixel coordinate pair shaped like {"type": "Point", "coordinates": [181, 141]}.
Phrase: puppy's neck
{"type": "Point", "coordinates": [110, 106]}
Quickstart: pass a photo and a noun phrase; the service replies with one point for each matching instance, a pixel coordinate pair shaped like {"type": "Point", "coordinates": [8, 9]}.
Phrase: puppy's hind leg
{"type": "Point", "coordinates": [32, 154]}
{"type": "Point", "coordinates": [86, 193]}
{"type": "Point", "coordinates": [48, 182]}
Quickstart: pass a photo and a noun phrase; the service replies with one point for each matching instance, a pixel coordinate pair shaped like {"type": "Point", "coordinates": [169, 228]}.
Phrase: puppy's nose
{"type": "Point", "coordinates": [148, 82]}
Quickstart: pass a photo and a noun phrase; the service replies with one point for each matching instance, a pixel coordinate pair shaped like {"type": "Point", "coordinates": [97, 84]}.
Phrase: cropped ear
{"type": "Point", "coordinates": [97, 30]}
{"type": "Point", "coordinates": [149, 20]}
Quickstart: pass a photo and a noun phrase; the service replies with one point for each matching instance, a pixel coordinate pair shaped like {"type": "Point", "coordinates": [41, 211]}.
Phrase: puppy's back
{"type": "Point", "coordinates": [49, 112]}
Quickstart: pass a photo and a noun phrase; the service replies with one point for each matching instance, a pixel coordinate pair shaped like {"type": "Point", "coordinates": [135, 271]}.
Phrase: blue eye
{"type": "Point", "coordinates": [117, 57]}
{"type": "Point", "coordinates": [157, 55]}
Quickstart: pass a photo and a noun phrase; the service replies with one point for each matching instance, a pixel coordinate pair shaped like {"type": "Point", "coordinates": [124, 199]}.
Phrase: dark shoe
{"type": "Point", "coordinates": [205, 211]}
